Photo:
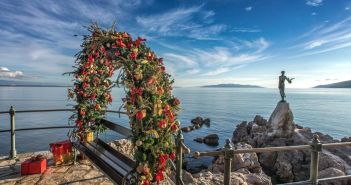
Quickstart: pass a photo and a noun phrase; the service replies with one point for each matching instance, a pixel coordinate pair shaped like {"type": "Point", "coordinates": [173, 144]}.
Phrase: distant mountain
{"type": "Point", "coordinates": [233, 86]}
{"type": "Point", "coordinates": [14, 83]}
{"type": "Point", "coordinates": [343, 84]}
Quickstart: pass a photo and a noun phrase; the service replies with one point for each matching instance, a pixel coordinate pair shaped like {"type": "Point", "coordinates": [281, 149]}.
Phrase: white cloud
{"type": "Point", "coordinates": [314, 44]}
{"type": "Point", "coordinates": [314, 2]}
{"type": "Point", "coordinates": [217, 60]}
{"type": "Point", "coordinates": [313, 13]}
{"type": "Point", "coordinates": [217, 71]}
{"type": "Point", "coordinates": [249, 8]}
{"type": "Point", "coordinates": [181, 22]}
{"type": "Point", "coordinates": [347, 8]}
{"type": "Point", "coordinates": [193, 71]}
{"type": "Point", "coordinates": [325, 37]}
{"type": "Point", "coordinates": [6, 73]}
{"type": "Point", "coordinates": [245, 30]}
{"type": "Point", "coordinates": [180, 58]}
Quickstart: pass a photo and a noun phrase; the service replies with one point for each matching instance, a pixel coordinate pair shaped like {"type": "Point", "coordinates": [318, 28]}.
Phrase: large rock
{"type": "Point", "coordinates": [281, 120]}
{"type": "Point", "coordinates": [211, 140]}
{"type": "Point", "coordinates": [282, 131]}
{"type": "Point", "coordinates": [248, 161]}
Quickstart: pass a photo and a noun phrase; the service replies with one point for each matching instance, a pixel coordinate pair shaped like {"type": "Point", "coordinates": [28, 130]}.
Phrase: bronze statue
{"type": "Point", "coordinates": [281, 86]}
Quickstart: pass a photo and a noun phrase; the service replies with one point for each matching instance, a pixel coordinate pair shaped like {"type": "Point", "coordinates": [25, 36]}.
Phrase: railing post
{"type": "Point", "coordinates": [179, 158]}
{"type": "Point", "coordinates": [228, 152]}
{"type": "Point", "coordinates": [13, 153]}
{"type": "Point", "coordinates": [316, 148]}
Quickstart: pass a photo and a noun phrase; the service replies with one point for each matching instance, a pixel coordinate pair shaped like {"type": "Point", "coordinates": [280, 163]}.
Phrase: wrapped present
{"type": "Point", "coordinates": [34, 165]}
{"type": "Point", "coordinates": [89, 137]}
{"type": "Point", "coordinates": [62, 152]}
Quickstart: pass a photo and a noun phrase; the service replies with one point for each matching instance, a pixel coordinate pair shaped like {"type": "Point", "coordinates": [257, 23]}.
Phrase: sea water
{"type": "Point", "coordinates": [323, 110]}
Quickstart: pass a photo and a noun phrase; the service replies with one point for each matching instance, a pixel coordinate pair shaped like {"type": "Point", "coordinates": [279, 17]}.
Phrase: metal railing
{"type": "Point", "coordinates": [13, 130]}
{"type": "Point", "coordinates": [181, 148]}
{"type": "Point", "coordinates": [315, 147]}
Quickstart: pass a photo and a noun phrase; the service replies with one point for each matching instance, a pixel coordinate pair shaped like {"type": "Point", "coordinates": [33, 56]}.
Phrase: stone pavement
{"type": "Point", "coordinates": [80, 173]}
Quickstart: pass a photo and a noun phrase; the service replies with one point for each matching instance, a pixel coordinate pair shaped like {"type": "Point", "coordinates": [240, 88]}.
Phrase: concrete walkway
{"type": "Point", "coordinates": [81, 173]}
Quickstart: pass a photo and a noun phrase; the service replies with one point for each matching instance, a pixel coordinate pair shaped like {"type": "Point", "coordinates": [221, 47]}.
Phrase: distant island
{"type": "Point", "coordinates": [233, 86]}
{"type": "Point", "coordinates": [343, 84]}
{"type": "Point", "coordinates": [13, 83]}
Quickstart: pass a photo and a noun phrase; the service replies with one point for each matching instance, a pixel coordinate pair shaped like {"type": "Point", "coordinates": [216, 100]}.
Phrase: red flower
{"type": "Point", "coordinates": [96, 80]}
{"type": "Point", "coordinates": [85, 85]}
{"type": "Point", "coordinates": [151, 80]}
{"type": "Point", "coordinates": [93, 96]}
{"type": "Point", "coordinates": [176, 101]}
{"type": "Point", "coordinates": [174, 127]}
{"type": "Point", "coordinates": [109, 98]}
{"type": "Point", "coordinates": [82, 112]}
{"type": "Point", "coordinates": [102, 49]}
{"type": "Point", "coordinates": [170, 116]}
{"type": "Point", "coordinates": [146, 182]}
{"type": "Point", "coordinates": [129, 44]}
{"type": "Point", "coordinates": [79, 123]}
{"type": "Point", "coordinates": [138, 91]}
{"type": "Point", "coordinates": [97, 107]}
{"type": "Point", "coordinates": [118, 53]}
{"type": "Point", "coordinates": [162, 160]}
{"type": "Point", "coordinates": [90, 59]}
{"type": "Point", "coordinates": [133, 55]}
{"type": "Point", "coordinates": [163, 69]}
{"type": "Point", "coordinates": [159, 176]}
{"type": "Point", "coordinates": [172, 156]}
{"type": "Point", "coordinates": [162, 123]}
{"type": "Point", "coordinates": [167, 108]}
{"type": "Point", "coordinates": [138, 41]}
{"type": "Point", "coordinates": [125, 35]}
{"type": "Point", "coordinates": [150, 56]}
{"type": "Point", "coordinates": [120, 43]}
{"type": "Point", "coordinates": [140, 115]}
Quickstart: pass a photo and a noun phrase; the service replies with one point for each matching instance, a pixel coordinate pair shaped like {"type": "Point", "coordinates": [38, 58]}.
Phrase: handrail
{"type": "Point", "coordinates": [54, 110]}
{"type": "Point", "coordinates": [269, 149]}
{"type": "Point", "coordinates": [316, 146]}
{"type": "Point", "coordinates": [37, 128]}
{"type": "Point", "coordinates": [115, 127]}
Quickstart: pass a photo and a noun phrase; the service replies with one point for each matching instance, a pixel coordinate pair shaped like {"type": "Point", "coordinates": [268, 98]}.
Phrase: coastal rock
{"type": "Point", "coordinates": [281, 120]}
{"type": "Point", "coordinates": [331, 172]}
{"type": "Point", "coordinates": [237, 178]}
{"type": "Point", "coordinates": [207, 122]}
{"type": "Point", "coordinates": [211, 140]}
{"type": "Point", "coordinates": [247, 161]}
{"type": "Point", "coordinates": [197, 121]}
{"type": "Point", "coordinates": [282, 131]}
{"type": "Point", "coordinates": [346, 139]}
{"type": "Point", "coordinates": [199, 140]}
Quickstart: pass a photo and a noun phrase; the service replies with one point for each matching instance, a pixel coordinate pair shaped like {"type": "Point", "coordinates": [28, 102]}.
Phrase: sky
{"type": "Point", "coordinates": [202, 42]}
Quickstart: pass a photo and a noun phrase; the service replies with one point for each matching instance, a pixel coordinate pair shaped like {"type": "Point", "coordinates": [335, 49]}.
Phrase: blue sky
{"type": "Point", "coordinates": [202, 42]}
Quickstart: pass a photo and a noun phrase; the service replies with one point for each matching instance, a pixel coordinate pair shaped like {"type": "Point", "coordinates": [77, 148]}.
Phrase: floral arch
{"type": "Point", "coordinates": [149, 103]}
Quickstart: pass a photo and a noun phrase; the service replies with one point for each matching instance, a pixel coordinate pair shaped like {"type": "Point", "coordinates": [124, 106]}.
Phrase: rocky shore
{"type": "Point", "coordinates": [267, 168]}
{"type": "Point", "coordinates": [281, 130]}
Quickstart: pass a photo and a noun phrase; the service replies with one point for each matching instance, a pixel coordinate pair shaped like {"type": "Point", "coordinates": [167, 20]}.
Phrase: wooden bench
{"type": "Point", "coordinates": [112, 163]}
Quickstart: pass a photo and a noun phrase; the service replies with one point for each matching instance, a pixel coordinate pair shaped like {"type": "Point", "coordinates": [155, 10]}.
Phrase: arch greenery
{"type": "Point", "coordinates": [149, 103]}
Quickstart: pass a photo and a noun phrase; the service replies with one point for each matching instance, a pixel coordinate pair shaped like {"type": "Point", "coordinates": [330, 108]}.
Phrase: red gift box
{"type": "Point", "coordinates": [66, 147]}
{"type": "Point", "coordinates": [62, 151]}
{"type": "Point", "coordinates": [36, 165]}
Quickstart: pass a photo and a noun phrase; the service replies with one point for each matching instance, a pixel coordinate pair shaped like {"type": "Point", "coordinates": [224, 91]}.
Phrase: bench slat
{"type": "Point", "coordinates": [100, 163]}
{"type": "Point", "coordinates": [124, 158]}
{"type": "Point", "coordinates": [122, 163]}
{"type": "Point", "coordinates": [117, 128]}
